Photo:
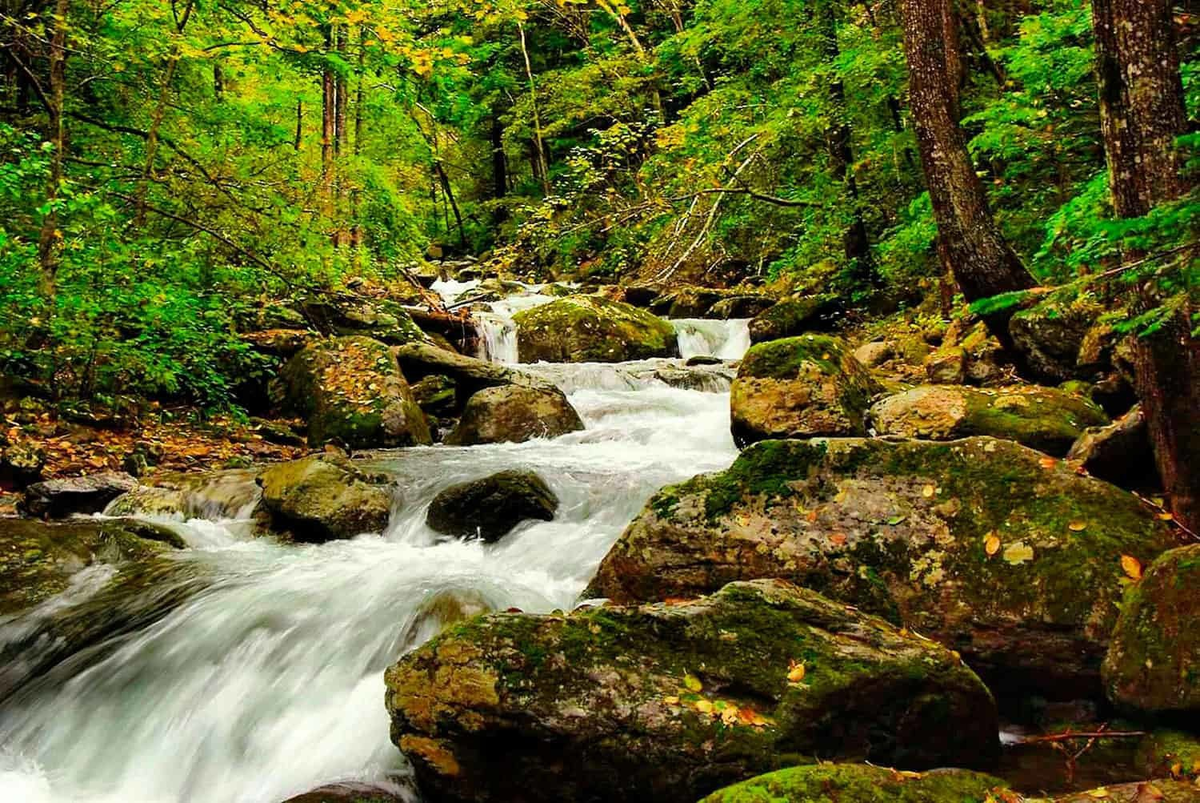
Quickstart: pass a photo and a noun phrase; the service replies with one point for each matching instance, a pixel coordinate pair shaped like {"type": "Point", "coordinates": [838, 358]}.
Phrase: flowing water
{"type": "Point", "coordinates": [267, 681]}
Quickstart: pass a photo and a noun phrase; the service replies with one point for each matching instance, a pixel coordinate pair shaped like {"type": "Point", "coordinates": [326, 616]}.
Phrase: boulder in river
{"type": "Point", "coordinates": [1153, 662]}
{"type": "Point", "coordinates": [794, 316]}
{"type": "Point", "coordinates": [514, 414]}
{"type": "Point", "coordinates": [1042, 418]}
{"type": "Point", "coordinates": [470, 375]}
{"type": "Point", "coordinates": [592, 329]}
{"type": "Point", "coordinates": [351, 792]}
{"type": "Point", "coordinates": [800, 387]}
{"type": "Point", "coordinates": [59, 498]}
{"type": "Point", "coordinates": [351, 390]}
{"type": "Point", "coordinates": [1004, 554]}
{"type": "Point", "coordinates": [671, 701]}
{"type": "Point", "coordinates": [490, 507]}
{"type": "Point", "coordinates": [861, 783]}
{"type": "Point", "coordinates": [320, 498]}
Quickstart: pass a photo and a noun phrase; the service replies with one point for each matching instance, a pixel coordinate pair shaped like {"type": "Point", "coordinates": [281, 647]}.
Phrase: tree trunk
{"type": "Point", "coordinates": [970, 242]}
{"type": "Point", "coordinates": [328, 133]}
{"type": "Point", "coordinates": [1141, 114]}
{"type": "Point", "coordinates": [48, 237]}
{"type": "Point", "coordinates": [499, 161]}
{"type": "Point", "coordinates": [541, 166]}
{"type": "Point", "coordinates": [356, 229]}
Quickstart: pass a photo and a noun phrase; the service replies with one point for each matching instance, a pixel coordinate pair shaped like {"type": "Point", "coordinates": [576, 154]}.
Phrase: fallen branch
{"type": "Point", "coordinates": [1067, 736]}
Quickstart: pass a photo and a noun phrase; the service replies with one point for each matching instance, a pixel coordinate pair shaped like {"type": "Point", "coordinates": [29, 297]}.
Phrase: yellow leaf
{"type": "Point", "coordinates": [1132, 567]}
{"type": "Point", "coordinates": [1077, 526]}
{"type": "Point", "coordinates": [692, 683]}
{"type": "Point", "coordinates": [991, 544]}
{"type": "Point", "coordinates": [1166, 517]}
{"type": "Point", "coordinates": [795, 673]}
{"type": "Point", "coordinates": [1018, 553]}
{"type": "Point", "coordinates": [928, 491]}
{"type": "Point", "coordinates": [1048, 462]}
{"type": "Point", "coordinates": [704, 706]}
{"type": "Point", "coordinates": [1100, 792]}
{"type": "Point", "coordinates": [909, 774]}
{"type": "Point", "coordinates": [671, 699]}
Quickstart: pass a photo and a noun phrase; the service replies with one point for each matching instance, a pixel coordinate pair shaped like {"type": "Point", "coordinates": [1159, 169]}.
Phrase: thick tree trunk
{"type": "Point", "coordinates": [1141, 113]}
{"type": "Point", "coordinates": [48, 237]}
{"type": "Point", "coordinates": [970, 242]}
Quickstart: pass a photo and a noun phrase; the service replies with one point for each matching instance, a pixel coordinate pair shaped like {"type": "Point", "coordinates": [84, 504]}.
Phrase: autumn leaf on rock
{"type": "Point", "coordinates": [795, 672]}
{"type": "Point", "coordinates": [1018, 553]}
{"type": "Point", "coordinates": [991, 544]}
{"type": "Point", "coordinates": [692, 683]}
{"type": "Point", "coordinates": [1077, 526]}
{"type": "Point", "coordinates": [1132, 567]}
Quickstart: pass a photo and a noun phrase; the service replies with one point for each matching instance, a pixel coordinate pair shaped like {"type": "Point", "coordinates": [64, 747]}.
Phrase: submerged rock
{"type": "Point", "coordinates": [1119, 453]}
{"type": "Point", "coordinates": [592, 329]}
{"type": "Point", "coordinates": [490, 507]}
{"type": "Point", "coordinates": [57, 499]}
{"type": "Point", "coordinates": [669, 702]}
{"type": "Point", "coordinates": [514, 414]}
{"type": "Point", "coordinates": [351, 390]}
{"type": "Point", "coordinates": [1042, 418]}
{"type": "Point", "coordinates": [321, 498]}
{"type": "Point", "coordinates": [794, 317]}
{"type": "Point", "coordinates": [1153, 662]}
{"type": "Point", "coordinates": [800, 387]}
{"type": "Point", "coordinates": [987, 546]}
{"type": "Point", "coordinates": [350, 792]}
{"type": "Point", "coordinates": [861, 783]}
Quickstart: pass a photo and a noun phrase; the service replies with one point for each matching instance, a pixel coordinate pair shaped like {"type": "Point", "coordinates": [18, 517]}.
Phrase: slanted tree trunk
{"type": "Point", "coordinates": [541, 163]}
{"type": "Point", "coordinates": [48, 237]}
{"type": "Point", "coordinates": [1141, 113]}
{"type": "Point", "coordinates": [969, 241]}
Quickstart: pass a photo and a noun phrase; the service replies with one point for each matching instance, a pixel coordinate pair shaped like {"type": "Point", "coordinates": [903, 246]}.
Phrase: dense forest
{"type": "Point", "coordinates": [330, 320]}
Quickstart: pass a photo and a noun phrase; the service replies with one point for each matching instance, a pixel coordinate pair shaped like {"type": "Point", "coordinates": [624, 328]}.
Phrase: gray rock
{"type": "Point", "coordinates": [57, 499]}
{"type": "Point", "coordinates": [492, 506]}
{"type": "Point", "coordinates": [514, 414]}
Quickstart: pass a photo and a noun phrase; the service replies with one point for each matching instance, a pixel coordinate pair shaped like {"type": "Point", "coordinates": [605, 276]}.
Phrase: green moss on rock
{"type": "Point", "coordinates": [902, 529]}
{"type": "Point", "coordinates": [592, 329]}
{"type": "Point", "coordinates": [668, 702]}
{"type": "Point", "coordinates": [792, 317]}
{"type": "Point", "coordinates": [860, 783]}
{"type": "Point", "coordinates": [799, 387]}
{"type": "Point", "coordinates": [1153, 663]}
{"type": "Point", "coordinates": [321, 498]}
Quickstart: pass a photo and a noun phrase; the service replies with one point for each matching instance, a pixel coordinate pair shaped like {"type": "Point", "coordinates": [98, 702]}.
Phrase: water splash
{"type": "Point", "coordinates": [726, 340]}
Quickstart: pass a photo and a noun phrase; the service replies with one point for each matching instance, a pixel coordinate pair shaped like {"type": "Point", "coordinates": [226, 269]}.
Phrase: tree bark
{"type": "Point", "coordinates": [328, 132]}
{"type": "Point", "coordinates": [541, 165]}
{"type": "Point", "coordinates": [499, 161]}
{"type": "Point", "coordinates": [1141, 114]}
{"type": "Point", "coordinates": [969, 241]}
{"type": "Point", "coordinates": [49, 237]}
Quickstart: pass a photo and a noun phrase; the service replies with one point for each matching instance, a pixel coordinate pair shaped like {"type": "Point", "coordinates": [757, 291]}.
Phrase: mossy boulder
{"type": "Point", "coordinates": [861, 783]}
{"type": "Point", "coordinates": [470, 375]}
{"type": "Point", "coordinates": [321, 498]}
{"type": "Point", "coordinates": [740, 306]}
{"type": "Point", "coordinates": [490, 507]}
{"type": "Point", "coordinates": [1004, 554]}
{"type": "Point", "coordinates": [356, 315]}
{"type": "Point", "coordinates": [351, 390]}
{"type": "Point", "coordinates": [668, 702]}
{"type": "Point", "coordinates": [1049, 337]}
{"type": "Point", "coordinates": [800, 387]}
{"type": "Point", "coordinates": [1046, 419]}
{"type": "Point", "coordinates": [794, 316]}
{"type": "Point", "coordinates": [1153, 662]}
{"type": "Point", "coordinates": [1168, 753]}
{"type": "Point", "coordinates": [38, 559]}
{"type": "Point", "coordinates": [592, 329]}
{"type": "Point", "coordinates": [514, 414]}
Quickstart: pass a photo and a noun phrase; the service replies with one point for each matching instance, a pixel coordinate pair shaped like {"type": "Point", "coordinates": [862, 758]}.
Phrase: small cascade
{"type": "Point", "coordinates": [726, 340]}
{"type": "Point", "coordinates": [451, 290]}
{"type": "Point", "coordinates": [498, 331]}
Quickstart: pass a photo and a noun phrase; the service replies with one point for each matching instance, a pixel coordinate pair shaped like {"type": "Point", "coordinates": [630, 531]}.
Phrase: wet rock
{"type": "Point", "coordinates": [592, 329]}
{"type": "Point", "coordinates": [743, 306]}
{"type": "Point", "coordinates": [38, 559]}
{"type": "Point", "coordinates": [21, 464]}
{"type": "Point", "coordinates": [1049, 337]}
{"type": "Point", "coordinates": [1043, 418]}
{"type": "Point", "coordinates": [875, 354]}
{"type": "Point", "coordinates": [349, 792]}
{"type": "Point", "coordinates": [702, 359]}
{"type": "Point", "coordinates": [321, 498]}
{"type": "Point", "coordinates": [149, 500]}
{"type": "Point", "coordinates": [1167, 753]}
{"type": "Point", "coordinates": [669, 702]}
{"type": "Point", "coordinates": [490, 507]}
{"type": "Point", "coordinates": [441, 609]}
{"type": "Point", "coordinates": [800, 387]}
{"type": "Point", "coordinates": [793, 317]}
{"type": "Point", "coordinates": [860, 783]}
{"type": "Point", "coordinates": [514, 414]}
{"type": "Point", "coordinates": [278, 432]}
{"type": "Point", "coordinates": [947, 366]}
{"type": "Point", "coordinates": [351, 391]}
{"type": "Point", "coordinates": [980, 543]}
{"type": "Point", "coordinates": [641, 295]}
{"type": "Point", "coordinates": [57, 499]}
{"type": "Point", "coordinates": [348, 314]}
{"type": "Point", "coordinates": [1119, 453]}
{"type": "Point", "coordinates": [470, 375]}
{"type": "Point", "coordinates": [1156, 791]}
{"type": "Point", "coordinates": [1153, 662]}
{"type": "Point", "coordinates": [435, 395]}
{"type": "Point", "coordinates": [688, 301]}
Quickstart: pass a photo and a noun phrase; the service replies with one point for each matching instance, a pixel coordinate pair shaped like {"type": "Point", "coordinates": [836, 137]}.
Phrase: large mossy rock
{"type": "Point", "coordinates": [989, 547]}
{"type": "Point", "coordinates": [1153, 662]}
{"type": "Point", "coordinates": [800, 387]}
{"type": "Point", "coordinates": [490, 507]}
{"type": "Point", "coordinates": [592, 329]}
{"type": "Point", "coordinates": [377, 318]}
{"type": "Point", "coordinates": [793, 317]}
{"type": "Point", "coordinates": [668, 702]}
{"type": "Point", "coordinates": [1042, 418]}
{"type": "Point", "coordinates": [38, 560]}
{"type": "Point", "coordinates": [351, 390]}
{"type": "Point", "coordinates": [514, 414]}
{"type": "Point", "coordinates": [321, 498]}
{"type": "Point", "coordinates": [861, 783]}
{"type": "Point", "coordinates": [1049, 337]}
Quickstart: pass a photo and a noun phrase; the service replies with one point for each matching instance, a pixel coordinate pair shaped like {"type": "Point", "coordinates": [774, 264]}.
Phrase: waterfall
{"type": "Point", "coordinates": [727, 340]}
{"type": "Point", "coordinates": [265, 680]}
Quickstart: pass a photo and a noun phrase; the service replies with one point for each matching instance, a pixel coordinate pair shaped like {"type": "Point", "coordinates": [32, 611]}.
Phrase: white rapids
{"type": "Point", "coordinates": [268, 682]}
